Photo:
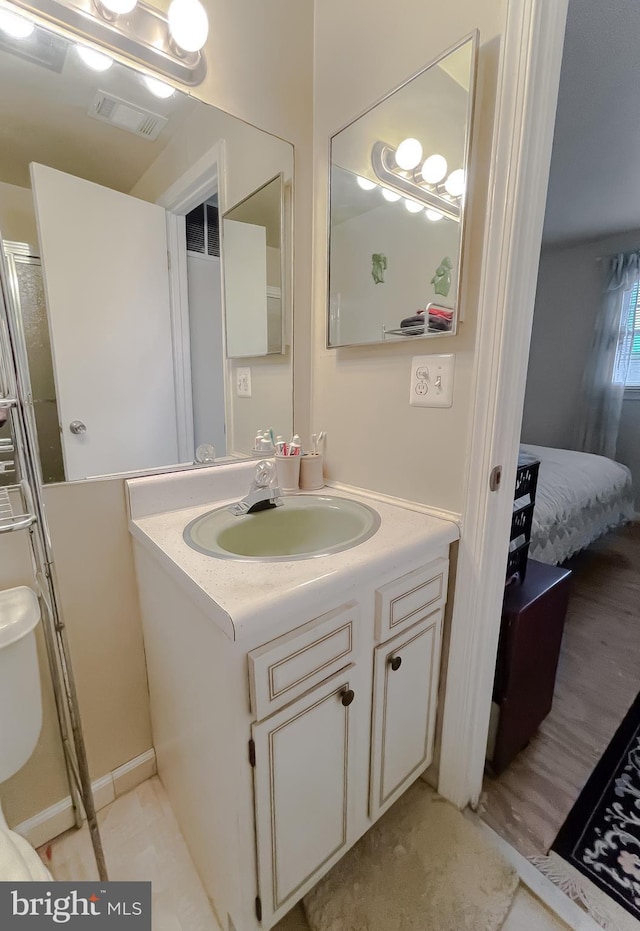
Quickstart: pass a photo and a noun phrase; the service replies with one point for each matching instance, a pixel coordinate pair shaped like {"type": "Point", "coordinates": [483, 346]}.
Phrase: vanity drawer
{"type": "Point", "coordinates": [284, 669]}
{"type": "Point", "coordinates": [405, 600]}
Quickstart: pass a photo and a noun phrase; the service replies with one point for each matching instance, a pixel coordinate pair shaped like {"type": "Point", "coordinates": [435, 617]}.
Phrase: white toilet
{"type": "Point", "coordinates": [20, 716]}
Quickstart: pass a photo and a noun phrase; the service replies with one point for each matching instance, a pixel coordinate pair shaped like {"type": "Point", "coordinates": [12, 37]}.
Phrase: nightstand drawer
{"type": "Point", "coordinates": [284, 669]}
{"type": "Point", "coordinates": [405, 600]}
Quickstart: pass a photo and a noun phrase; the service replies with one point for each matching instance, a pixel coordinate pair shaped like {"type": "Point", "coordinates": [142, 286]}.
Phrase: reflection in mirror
{"type": "Point", "coordinates": [109, 205]}
{"type": "Point", "coordinates": [397, 196]}
{"type": "Point", "coordinates": [253, 277]}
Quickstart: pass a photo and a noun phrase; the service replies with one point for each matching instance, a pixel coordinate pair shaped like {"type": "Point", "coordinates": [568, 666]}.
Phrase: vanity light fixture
{"type": "Point", "coordinates": [408, 155]}
{"type": "Point", "coordinates": [14, 25]}
{"type": "Point", "coordinates": [411, 183]}
{"type": "Point", "coordinates": [365, 184]}
{"type": "Point", "coordinates": [455, 183]}
{"type": "Point", "coordinates": [434, 169]}
{"type": "Point", "coordinates": [390, 195]}
{"type": "Point", "coordinates": [433, 215]}
{"type": "Point", "coordinates": [169, 45]}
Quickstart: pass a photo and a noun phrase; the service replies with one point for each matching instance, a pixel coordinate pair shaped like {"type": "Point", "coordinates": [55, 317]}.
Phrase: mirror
{"type": "Point", "coordinates": [397, 203]}
{"type": "Point", "coordinates": [111, 190]}
{"type": "Point", "coordinates": [253, 276]}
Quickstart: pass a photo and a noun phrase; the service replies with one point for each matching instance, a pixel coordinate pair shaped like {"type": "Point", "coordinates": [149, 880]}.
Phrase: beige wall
{"type": "Point", "coordinates": [17, 216]}
{"type": "Point", "coordinates": [361, 395]}
{"type": "Point", "coordinates": [260, 68]}
{"type": "Point", "coordinates": [94, 563]}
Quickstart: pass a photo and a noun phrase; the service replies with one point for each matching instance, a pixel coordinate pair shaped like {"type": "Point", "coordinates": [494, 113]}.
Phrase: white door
{"type": "Point", "coordinates": [244, 249]}
{"type": "Point", "coordinates": [303, 774]}
{"type": "Point", "coordinates": [405, 687]}
{"type": "Point", "coordinates": [104, 261]}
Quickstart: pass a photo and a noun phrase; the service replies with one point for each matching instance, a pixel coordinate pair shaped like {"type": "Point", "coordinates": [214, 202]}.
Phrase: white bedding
{"type": "Point", "coordinates": [579, 497]}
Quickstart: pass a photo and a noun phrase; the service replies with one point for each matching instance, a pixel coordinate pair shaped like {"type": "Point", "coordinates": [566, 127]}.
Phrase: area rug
{"type": "Point", "coordinates": [601, 836]}
{"type": "Point", "coordinates": [422, 866]}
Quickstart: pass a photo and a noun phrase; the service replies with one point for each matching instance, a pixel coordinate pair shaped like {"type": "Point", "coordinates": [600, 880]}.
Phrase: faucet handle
{"type": "Point", "coordinates": [265, 474]}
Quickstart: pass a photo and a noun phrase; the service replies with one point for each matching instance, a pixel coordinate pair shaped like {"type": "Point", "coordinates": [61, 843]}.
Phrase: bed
{"type": "Point", "coordinates": [579, 498]}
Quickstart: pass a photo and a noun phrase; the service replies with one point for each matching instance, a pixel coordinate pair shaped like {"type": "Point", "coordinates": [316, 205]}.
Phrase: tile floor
{"type": "Point", "coordinates": [142, 840]}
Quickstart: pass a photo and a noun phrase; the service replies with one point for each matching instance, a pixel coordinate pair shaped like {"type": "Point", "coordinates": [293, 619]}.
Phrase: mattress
{"type": "Point", "coordinates": [579, 498]}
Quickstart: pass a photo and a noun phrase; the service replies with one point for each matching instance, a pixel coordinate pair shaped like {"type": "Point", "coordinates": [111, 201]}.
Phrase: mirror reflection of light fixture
{"type": "Point", "coordinates": [97, 61]}
{"type": "Point", "coordinates": [408, 154]}
{"type": "Point", "coordinates": [433, 215]}
{"type": "Point", "coordinates": [166, 44]}
{"type": "Point", "coordinates": [389, 195]}
{"type": "Point", "coordinates": [158, 88]}
{"type": "Point", "coordinates": [411, 183]}
{"type": "Point", "coordinates": [365, 184]}
{"type": "Point", "coordinates": [14, 25]}
{"type": "Point", "coordinates": [413, 206]}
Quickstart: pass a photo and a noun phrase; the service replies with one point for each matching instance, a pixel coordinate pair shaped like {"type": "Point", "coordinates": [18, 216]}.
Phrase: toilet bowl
{"type": "Point", "coordinates": [20, 714]}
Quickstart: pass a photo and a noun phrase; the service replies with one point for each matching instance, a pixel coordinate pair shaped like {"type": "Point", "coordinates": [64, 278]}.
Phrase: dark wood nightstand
{"type": "Point", "coordinates": [533, 617]}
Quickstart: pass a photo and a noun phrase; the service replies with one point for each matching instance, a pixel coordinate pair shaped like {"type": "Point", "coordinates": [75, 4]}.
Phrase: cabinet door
{"type": "Point", "coordinates": [302, 777]}
{"type": "Point", "coordinates": [406, 672]}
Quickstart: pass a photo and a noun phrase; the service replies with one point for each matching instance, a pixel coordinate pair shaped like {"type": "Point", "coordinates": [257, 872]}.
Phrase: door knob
{"type": "Point", "coordinates": [395, 662]}
{"type": "Point", "coordinates": [347, 696]}
{"type": "Point", "coordinates": [77, 427]}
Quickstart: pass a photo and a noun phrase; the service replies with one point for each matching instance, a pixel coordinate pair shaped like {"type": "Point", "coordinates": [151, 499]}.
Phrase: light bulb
{"type": "Point", "coordinates": [408, 154]}
{"type": "Point", "coordinates": [158, 88]}
{"type": "Point", "coordinates": [188, 24]}
{"type": "Point", "coordinates": [119, 7]}
{"type": "Point", "coordinates": [15, 26]}
{"type": "Point", "coordinates": [455, 183]}
{"type": "Point", "coordinates": [434, 169]}
{"type": "Point", "coordinates": [365, 184]}
{"type": "Point", "coordinates": [97, 61]}
{"type": "Point", "coordinates": [390, 195]}
{"type": "Point", "coordinates": [413, 206]}
{"type": "Point", "coordinates": [434, 215]}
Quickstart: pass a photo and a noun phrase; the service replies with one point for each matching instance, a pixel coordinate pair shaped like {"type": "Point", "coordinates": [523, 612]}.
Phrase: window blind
{"type": "Point", "coordinates": [633, 372]}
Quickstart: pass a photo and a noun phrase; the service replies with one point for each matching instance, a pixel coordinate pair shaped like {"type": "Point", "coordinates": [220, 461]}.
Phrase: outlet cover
{"type": "Point", "coordinates": [243, 382]}
{"type": "Point", "coordinates": [432, 381]}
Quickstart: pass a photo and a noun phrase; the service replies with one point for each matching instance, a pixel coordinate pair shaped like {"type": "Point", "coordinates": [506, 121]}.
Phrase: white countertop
{"type": "Point", "coordinates": [245, 597]}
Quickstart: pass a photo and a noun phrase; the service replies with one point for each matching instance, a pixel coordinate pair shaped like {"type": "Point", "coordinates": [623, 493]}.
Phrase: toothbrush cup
{"type": "Point", "coordinates": [288, 472]}
{"type": "Point", "coordinates": [311, 475]}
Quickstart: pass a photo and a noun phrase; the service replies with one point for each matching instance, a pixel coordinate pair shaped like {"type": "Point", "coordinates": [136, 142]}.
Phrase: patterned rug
{"type": "Point", "coordinates": [601, 836]}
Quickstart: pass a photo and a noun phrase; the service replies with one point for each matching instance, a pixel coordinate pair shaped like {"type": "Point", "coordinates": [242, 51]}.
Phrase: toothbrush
{"type": "Point", "coordinates": [294, 446]}
{"type": "Point", "coordinates": [314, 443]}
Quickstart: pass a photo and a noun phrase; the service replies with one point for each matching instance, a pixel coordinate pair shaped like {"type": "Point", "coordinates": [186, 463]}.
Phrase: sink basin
{"type": "Point", "coordinates": [305, 526]}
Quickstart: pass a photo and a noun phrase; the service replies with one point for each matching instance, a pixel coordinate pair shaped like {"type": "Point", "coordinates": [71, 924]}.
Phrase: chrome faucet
{"type": "Point", "coordinates": [263, 493]}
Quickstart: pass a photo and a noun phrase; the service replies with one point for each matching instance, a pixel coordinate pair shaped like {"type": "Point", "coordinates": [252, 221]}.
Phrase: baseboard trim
{"type": "Point", "coordinates": [47, 824]}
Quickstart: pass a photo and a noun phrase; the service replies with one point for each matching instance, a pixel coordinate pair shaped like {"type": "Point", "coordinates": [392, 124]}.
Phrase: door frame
{"type": "Point", "coordinates": [526, 102]}
{"type": "Point", "coordinates": [204, 178]}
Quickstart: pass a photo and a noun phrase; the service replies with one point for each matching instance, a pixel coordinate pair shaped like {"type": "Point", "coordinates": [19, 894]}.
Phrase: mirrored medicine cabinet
{"type": "Point", "coordinates": [113, 207]}
{"type": "Point", "coordinates": [398, 192]}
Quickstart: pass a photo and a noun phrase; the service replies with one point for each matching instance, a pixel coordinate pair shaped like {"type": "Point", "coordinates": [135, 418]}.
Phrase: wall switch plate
{"type": "Point", "coordinates": [243, 382]}
{"type": "Point", "coordinates": [432, 381]}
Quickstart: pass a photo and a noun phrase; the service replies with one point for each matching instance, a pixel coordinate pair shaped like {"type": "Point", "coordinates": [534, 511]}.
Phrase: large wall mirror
{"type": "Point", "coordinates": [397, 204]}
{"type": "Point", "coordinates": [111, 191]}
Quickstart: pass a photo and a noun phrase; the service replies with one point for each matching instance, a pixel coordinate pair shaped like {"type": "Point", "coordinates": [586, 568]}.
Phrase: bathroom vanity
{"type": "Point", "coordinates": [292, 701]}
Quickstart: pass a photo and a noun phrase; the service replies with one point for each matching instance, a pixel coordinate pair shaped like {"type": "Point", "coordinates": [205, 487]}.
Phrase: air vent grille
{"type": "Point", "coordinates": [203, 230]}
{"type": "Point", "coordinates": [127, 116]}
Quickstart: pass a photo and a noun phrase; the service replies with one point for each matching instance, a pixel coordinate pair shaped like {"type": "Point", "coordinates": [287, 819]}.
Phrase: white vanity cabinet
{"type": "Point", "coordinates": [291, 703]}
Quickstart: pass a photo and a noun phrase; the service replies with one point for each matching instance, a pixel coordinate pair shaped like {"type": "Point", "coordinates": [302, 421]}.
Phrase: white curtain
{"type": "Point", "coordinates": [606, 370]}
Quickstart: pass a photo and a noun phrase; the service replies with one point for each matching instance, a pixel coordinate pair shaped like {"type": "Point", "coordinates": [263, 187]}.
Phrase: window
{"type": "Point", "coordinates": [629, 345]}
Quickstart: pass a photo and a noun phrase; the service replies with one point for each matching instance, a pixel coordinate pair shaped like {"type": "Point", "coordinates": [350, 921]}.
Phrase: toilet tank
{"type": "Point", "coordinates": [20, 691]}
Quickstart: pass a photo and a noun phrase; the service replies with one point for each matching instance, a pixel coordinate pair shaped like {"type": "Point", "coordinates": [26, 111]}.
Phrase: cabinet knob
{"type": "Point", "coordinates": [395, 662]}
{"type": "Point", "coordinates": [347, 696]}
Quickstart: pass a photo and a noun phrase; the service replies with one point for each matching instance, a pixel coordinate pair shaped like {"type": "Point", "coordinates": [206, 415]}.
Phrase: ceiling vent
{"type": "Point", "coordinates": [127, 116]}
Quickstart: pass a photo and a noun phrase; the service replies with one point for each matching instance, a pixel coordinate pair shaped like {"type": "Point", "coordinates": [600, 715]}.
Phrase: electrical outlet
{"type": "Point", "coordinates": [243, 382]}
{"type": "Point", "coordinates": [432, 381]}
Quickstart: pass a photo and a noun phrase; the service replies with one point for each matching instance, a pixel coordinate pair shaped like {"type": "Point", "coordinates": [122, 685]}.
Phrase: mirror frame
{"type": "Point", "coordinates": [474, 38]}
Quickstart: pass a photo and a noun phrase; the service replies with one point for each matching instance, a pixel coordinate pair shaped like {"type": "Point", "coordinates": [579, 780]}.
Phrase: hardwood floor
{"type": "Point", "coordinates": [598, 679]}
